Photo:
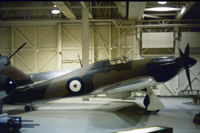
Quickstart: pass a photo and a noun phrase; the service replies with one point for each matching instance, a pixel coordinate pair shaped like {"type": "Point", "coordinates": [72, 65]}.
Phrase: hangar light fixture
{"type": "Point", "coordinates": [182, 10]}
{"type": "Point", "coordinates": [162, 2]}
{"type": "Point", "coordinates": [55, 11]}
{"type": "Point", "coordinates": [162, 9]}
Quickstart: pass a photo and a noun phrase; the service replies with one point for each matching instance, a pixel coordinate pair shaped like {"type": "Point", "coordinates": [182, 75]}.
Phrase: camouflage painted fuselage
{"type": "Point", "coordinates": [98, 75]}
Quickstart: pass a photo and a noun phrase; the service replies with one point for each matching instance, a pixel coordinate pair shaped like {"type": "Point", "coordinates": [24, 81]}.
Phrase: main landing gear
{"type": "Point", "coordinates": [28, 108]}
{"type": "Point", "coordinates": [146, 103]}
{"type": "Point", "coordinates": [151, 102]}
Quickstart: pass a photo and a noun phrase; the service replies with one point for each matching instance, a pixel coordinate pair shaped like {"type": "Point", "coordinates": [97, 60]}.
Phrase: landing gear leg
{"type": "Point", "coordinates": [151, 102]}
{"type": "Point", "coordinates": [28, 108]}
{"type": "Point", "coordinates": [146, 99]}
{"type": "Point", "coordinates": [146, 104]}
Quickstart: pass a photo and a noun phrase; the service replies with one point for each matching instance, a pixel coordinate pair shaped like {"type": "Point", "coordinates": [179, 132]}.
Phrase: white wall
{"type": "Point", "coordinates": [193, 38]}
{"type": "Point", "coordinates": [40, 53]}
{"type": "Point", "coordinates": [158, 40]}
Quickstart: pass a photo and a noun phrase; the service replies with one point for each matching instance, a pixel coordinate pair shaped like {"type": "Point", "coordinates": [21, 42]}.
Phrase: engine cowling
{"type": "Point", "coordinates": [7, 84]}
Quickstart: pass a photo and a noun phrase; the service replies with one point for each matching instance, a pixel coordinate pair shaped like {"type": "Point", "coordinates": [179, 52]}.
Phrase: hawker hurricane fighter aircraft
{"type": "Point", "coordinates": [117, 78]}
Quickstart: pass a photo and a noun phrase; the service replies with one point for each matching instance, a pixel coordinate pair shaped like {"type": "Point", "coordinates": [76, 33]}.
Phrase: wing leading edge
{"type": "Point", "coordinates": [128, 86]}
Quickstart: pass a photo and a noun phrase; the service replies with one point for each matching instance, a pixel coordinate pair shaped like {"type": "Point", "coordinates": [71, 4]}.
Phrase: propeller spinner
{"type": "Point", "coordinates": [187, 62]}
{"type": "Point", "coordinates": [5, 82]}
{"type": "Point", "coordinates": [4, 60]}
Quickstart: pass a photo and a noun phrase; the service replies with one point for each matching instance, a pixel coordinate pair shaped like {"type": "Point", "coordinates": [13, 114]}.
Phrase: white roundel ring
{"type": "Point", "coordinates": [75, 85]}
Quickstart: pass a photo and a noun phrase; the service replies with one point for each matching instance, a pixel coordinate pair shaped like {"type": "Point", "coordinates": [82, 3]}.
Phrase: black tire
{"type": "Point", "coordinates": [146, 101]}
{"type": "Point", "coordinates": [146, 104]}
{"type": "Point", "coordinates": [28, 108]}
{"type": "Point", "coordinates": [157, 110]}
{"type": "Point", "coordinates": [153, 112]}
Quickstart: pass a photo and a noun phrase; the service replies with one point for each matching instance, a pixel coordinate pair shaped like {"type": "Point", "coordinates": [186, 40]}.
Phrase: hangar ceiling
{"type": "Point", "coordinates": [118, 12]}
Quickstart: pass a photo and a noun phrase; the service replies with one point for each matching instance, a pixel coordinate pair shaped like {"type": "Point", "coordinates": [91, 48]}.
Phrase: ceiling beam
{"type": "Point", "coordinates": [161, 25]}
{"type": "Point", "coordinates": [85, 6]}
{"type": "Point", "coordinates": [136, 10]}
{"type": "Point", "coordinates": [53, 22]}
{"type": "Point", "coordinates": [50, 7]}
{"type": "Point", "coordinates": [27, 8]}
{"type": "Point", "coordinates": [121, 8]}
{"type": "Point", "coordinates": [163, 14]}
{"type": "Point", "coordinates": [64, 9]}
{"type": "Point", "coordinates": [192, 22]}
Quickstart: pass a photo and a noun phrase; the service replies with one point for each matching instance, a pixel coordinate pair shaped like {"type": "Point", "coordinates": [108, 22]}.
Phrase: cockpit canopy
{"type": "Point", "coordinates": [113, 61]}
{"type": "Point", "coordinates": [119, 60]}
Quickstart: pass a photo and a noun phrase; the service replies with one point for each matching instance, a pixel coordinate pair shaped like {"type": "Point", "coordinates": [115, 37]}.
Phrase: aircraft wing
{"type": "Point", "coordinates": [2, 95]}
{"type": "Point", "coordinates": [128, 86]}
{"type": "Point", "coordinates": [25, 87]}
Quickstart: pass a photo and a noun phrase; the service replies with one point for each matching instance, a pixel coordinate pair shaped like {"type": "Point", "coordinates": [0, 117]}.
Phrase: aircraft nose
{"type": "Point", "coordinates": [191, 62]}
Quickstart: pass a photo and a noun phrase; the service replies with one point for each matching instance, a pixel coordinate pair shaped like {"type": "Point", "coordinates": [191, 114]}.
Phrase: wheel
{"type": "Point", "coordinates": [28, 108]}
{"type": "Point", "coordinates": [157, 111]}
{"type": "Point", "coordinates": [146, 101]}
{"type": "Point", "coordinates": [153, 112]}
{"type": "Point", "coordinates": [146, 104]}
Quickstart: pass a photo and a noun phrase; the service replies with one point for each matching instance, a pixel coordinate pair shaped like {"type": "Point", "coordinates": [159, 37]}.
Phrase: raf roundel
{"type": "Point", "coordinates": [75, 85]}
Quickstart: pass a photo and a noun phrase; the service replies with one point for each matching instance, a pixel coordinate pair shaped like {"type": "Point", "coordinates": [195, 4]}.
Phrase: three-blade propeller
{"type": "Point", "coordinates": [187, 62]}
{"type": "Point", "coordinates": [17, 50]}
{"type": "Point", "coordinates": [6, 59]}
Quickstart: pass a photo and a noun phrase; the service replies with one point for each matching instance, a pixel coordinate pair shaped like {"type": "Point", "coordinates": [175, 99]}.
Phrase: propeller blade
{"type": "Point", "coordinates": [188, 77]}
{"type": "Point", "coordinates": [181, 53]}
{"type": "Point", "coordinates": [187, 50]}
{"type": "Point", "coordinates": [187, 62]}
{"type": "Point", "coordinates": [17, 50]}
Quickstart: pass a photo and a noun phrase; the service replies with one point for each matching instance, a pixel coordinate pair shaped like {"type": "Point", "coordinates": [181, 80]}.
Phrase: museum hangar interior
{"type": "Point", "coordinates": [63, 36]}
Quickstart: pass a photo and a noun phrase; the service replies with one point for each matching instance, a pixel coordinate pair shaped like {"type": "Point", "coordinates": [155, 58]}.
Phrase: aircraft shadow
{"type": "Point", "coordinates": [14, 111]}
{"type": "Point", "coordinates": [126, 116]}
{"type": "Point", "coordinates": [131, 114]}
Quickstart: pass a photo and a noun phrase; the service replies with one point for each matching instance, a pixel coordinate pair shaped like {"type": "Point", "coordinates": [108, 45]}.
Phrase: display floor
{"type": "Point", "coordinates": [104, 115]}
